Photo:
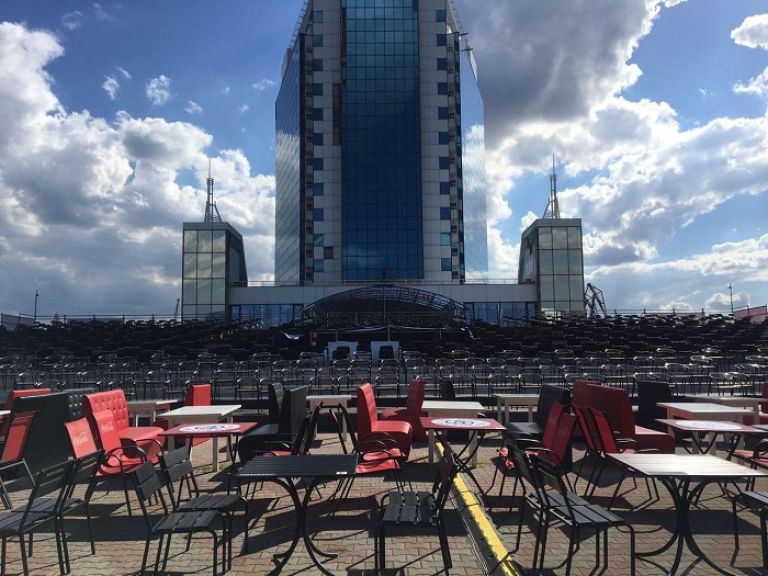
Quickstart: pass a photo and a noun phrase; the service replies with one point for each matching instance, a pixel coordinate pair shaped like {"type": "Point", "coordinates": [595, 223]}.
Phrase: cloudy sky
{"type": "Point", "coordinates": [654, 109]}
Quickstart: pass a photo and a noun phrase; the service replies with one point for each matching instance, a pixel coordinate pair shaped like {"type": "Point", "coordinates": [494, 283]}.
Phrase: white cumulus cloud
{"type": "Point", "coordinates": [757, 85]}
{"type": "Point", "coordinates": [158, 90]}
{"type": "Point", "coordinates": [752, 32]}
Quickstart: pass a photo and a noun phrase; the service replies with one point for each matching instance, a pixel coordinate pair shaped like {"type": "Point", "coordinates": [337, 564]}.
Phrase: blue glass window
{"type": "Point", "coordinates": [445, 187]}
{"type": "Point", "coordinates": [442, 39]}
{"type": "Point", "coordinates": [442, 64]}
{"type": "Point", "coordinates": [318, 239]}
{"type": "Point", "coordinates": [317, 64]}
{"type": "Point", "coordinates": [318, 40]}
{"type": "Point", "coordinates": [445, 213]}
{"type": "Point", "coordinates": [318, 189]}
{"type": "Point", "coordinates": [318, 215]}
{"type": "Point", "coordinates": [445, 162]}
{"type": "Point", "coordinates": [317, 138]}
{"type": "Point", "coordinates": [317, 16]}
{"type": "Point", "coordinates": [445, 239]}
{"type": "Point", "coordinates": [445, 264]}
{"type": "Point", "coordinates": [442, 113]}
{"type": "Point", "coordinates": [317, 113]}
{"type": "Point", "coordinates": [318, 264]}
{"type": "Point", "coordinates": [318, 164]}
{"type": "Point", "coordinates": [317, 89]}
{"type": "Point", "coordinates": [442, 138]}
{"type": "Point", "coordinates": [442, 88]}
{"type": "Point", "coordinates": [440, 15]}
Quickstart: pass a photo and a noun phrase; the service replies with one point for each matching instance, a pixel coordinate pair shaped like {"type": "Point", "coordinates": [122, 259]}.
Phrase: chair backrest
{"type": "Point", "coordinates": [550, 428]}
{"type": "Point", "coordinates": [523, 466]}
{"type": "Point", "coordinates": [549, 395]}
{"type": "Point", "coordinates": [588, 429]}
{"type": "Point", "coordinates": [366, 410]}
{"type": "Point", "coordinates": [16, 437]}
{"type": "Point", "coordinates": [580, 393]}
{"type": "Point", "coordinates": [104, 422]}
{"type": "Point", "coordinates": [562, 438]}
{"type": "Point", "coordinates": [446, 473]}
{"type": "Point", "coordinates": [81, 438]}
{"type": "Point", "coordinates": [53, 482]}
{"type": "Point", "coordinates": [112, 400]}
{"type": "Point", "coordinates": [13, 394]}
{"type": "Point", "coordinates": [148, 484]}
{"type": "Point", "coordinates": [293, 410]}
{"type": "Point", "coordinates": [415, 399]}
{"type": "Point", "coordinates": [649, 394]}
{"type": "Point", "coordinates": [605, 432]}
{"type": "Point", "coordinates": [617, 407]}
{"type": "Point", "coordinates": [176, 467]}
{"type": "Point", "coordinates": [275, 401]}
{"type": "Point", "coordinates": [549, 475]}
{"type": "Point", "coordinates": [198, 395]}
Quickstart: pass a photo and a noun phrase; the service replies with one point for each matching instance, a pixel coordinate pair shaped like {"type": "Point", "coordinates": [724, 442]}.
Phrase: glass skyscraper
{"type": "Point", "coordinates": [380, 147]}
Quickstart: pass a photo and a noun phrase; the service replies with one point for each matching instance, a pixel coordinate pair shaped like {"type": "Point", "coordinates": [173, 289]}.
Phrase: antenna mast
{"type": "Point", "coordinates": [552, 210]}
{"type": "Point", "coordinates": [211, 212]}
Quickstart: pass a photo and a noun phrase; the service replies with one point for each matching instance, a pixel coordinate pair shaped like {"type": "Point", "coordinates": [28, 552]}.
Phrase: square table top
{"type": "Point", "coordinates": [139, 405]}
{"type": "Point", "coordinates": [703, 408]}
{"type": "Point", "coordinates": [527, 399]}
{"type": "Point", "coordinates": [300, 466]}
{"type": "Point", "coordinates": [317, 398]}
{"type": "Point", "coordinates": [686, 465]}
{"type": "Point", "coordinates": [479, 424]}
{"type": "Point", "coordinates": [747, 401]}
{"type": "Point", "coordinates": [446, 405]}
{"type": "Point", "coordinates": [212, 429]}
{"type": "Point", "coordinates": [708, 426]}
{"type": "Point", "coordinates": [214, 410]}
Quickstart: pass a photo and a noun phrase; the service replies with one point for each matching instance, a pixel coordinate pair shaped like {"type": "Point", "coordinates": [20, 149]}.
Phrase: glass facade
{"type": "Point", "coordinates": [475, 237]}
{"type": "Point", "coordinates": [204, 288]}
{"type": "Point", "coordinates": [380, 134]}
{"type": "Point", "coordinates": [500, 313]}
{"type": "Point", "coordinates": [267, 315]}
{"type": "Point", "coordinates": [289, 173]}
{"type": "Point", "coordinates": [551, 255]}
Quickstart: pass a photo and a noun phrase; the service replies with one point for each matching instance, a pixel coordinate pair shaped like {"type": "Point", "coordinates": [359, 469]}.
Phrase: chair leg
{"type": "Point", "coordinates": [734, 502]}
{"type": "Point", "coordinates": [616, 491]}
{"type": "Point", "coordinates": [764, 536]}
{"type": "Point", "coordinates": [127, 498]}
{"type": "Point", "coordinates": [24, 563]}
{"type": "Point", "coordinates": [444, 546]}
{"type": "Point", "coordinates": [90, 527]}
{"type": "Point", "coordinates": [144, 558]}
{"type": "Point", "coordinates": [572, 537]}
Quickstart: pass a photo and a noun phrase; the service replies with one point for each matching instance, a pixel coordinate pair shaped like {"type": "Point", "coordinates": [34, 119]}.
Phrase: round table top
{"type": "Point", "coordinates": [203, 428]}
{"type": "Point", "coordinates": [461, 422]}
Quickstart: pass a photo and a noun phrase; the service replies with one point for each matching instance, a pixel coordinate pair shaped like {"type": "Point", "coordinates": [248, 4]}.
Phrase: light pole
{"type": "Point", "coordinates": [730, 289]}
{"type": "Point", "coordinates": [34, 315]}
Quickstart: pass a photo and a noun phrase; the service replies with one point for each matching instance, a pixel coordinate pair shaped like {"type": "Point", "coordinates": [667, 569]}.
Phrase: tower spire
{"type": "Point", "coordinates": [211, 212]}
{"type": "Point", "coordinates": [553, 208]}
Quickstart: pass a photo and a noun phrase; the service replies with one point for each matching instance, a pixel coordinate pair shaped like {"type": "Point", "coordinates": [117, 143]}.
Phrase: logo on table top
{"type": "Point", "coordinates": [461, 422]}
{"type": "Point", "coordinates": [210, 428]}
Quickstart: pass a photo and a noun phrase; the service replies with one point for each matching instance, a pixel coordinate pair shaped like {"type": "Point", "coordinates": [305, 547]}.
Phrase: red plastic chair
{"type": "Point", "coordinates": [611, 444]}
{"type": "Point", "coordinates": [556, 442]}
{"type": "Point", "coordinates": [412, 412]}
{"type": "Point", "coordinates": [369, 425]}
{"type": "Point", "coordinates": [118, 460]}
{"type": "Point", "coordinates": [13, 450]}
{"type": "Point", "coordinates": [197, 395]}
{"type": "Point", "coordinates": [11, 398]}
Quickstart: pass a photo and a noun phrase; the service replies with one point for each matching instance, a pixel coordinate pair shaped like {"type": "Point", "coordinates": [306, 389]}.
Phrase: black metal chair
{"type": "Point", "coordinates": [85, 472]}
{"type": "Point", "coordinates": [148, 485]}
{"type": "Point", "coordinates": [418, 509]}
{"type": "Point", "coordinates": [50, 482]}
{"type": "Point", "coordinates": [575, 516]}
{"type": "Point", "coordinates": [176, 467]}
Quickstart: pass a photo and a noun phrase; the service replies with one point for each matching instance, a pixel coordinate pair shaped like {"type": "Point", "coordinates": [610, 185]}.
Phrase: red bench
{"type": "Point", "coordinates": [618, 409]}
{"type": "Point", "coordinates": [115, 402]}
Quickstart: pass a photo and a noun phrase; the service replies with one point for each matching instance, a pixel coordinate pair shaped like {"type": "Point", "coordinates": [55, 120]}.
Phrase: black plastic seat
{"type": "Point", "coordinates": [148, 485]}
{"type": "Point", "coordinates": [418, 509]}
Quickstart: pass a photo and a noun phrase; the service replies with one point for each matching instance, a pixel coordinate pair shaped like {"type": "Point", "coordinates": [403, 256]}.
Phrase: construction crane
{"type": "Point", "coordinates": [594, 302]}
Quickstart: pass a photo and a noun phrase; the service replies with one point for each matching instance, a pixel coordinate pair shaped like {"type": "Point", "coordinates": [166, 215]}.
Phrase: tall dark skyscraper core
{"type": "Point", "coordinates": [380, 147]}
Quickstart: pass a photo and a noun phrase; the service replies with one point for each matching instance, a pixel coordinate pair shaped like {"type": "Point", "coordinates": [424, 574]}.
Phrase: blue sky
{"type": "Point", "coordinates": [655, 110]}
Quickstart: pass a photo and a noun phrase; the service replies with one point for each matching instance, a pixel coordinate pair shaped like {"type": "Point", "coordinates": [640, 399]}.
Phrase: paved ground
{"type": "Point", "coordinates": [119, 539]}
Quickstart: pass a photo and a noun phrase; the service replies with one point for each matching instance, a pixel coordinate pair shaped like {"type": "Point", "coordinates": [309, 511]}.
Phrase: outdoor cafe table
{"type": "Point", "coordinates": [450, 409]}
{"type": "Point", "coordinates": [477, 428]}
{"type": "Point", "coordinates": [504, 401]}
{"type": "Point", "coordinates": [137, 408]}
{"type": "Point", "coordinates": [703, 411]}
{"type": "Point", "coordinates": [200, 415]}
{"type": "Point", "coordinates": [227, 430]}
{"type": "Point", "coordinates": [697, 428]}
{"type": "Point", "coordinates": [282, 470]}
{"type": "Point", "coordinates": [685, 476]}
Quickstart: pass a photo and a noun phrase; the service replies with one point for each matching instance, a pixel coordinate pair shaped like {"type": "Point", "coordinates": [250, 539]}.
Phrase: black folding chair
{"type": "Point", "coordinates": [418, 509]}
{"type": "Point", "coordinates": [148, 484]}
